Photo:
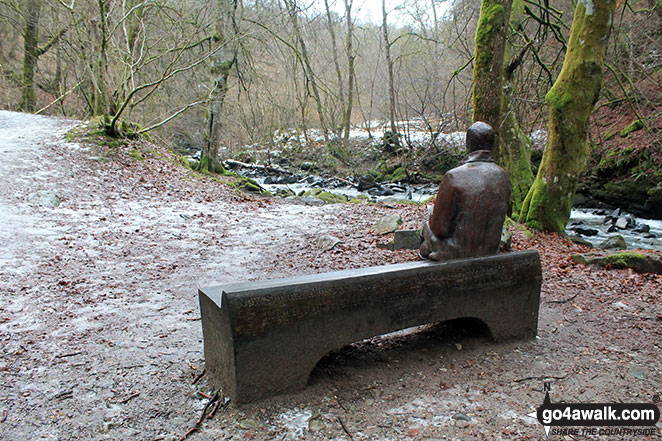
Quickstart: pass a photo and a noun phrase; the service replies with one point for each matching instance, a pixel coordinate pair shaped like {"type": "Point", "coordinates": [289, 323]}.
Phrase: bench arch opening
{"type": "Point", "coordinates": [404, 343]}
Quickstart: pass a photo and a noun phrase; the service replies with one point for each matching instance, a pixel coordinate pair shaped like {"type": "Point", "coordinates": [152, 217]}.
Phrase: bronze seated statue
{"type": "Point", "coordinates": [471, 204]}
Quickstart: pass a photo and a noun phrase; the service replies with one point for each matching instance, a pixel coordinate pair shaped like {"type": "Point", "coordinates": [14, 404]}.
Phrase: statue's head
{"type": "Point", "coordinates": [480, 136]}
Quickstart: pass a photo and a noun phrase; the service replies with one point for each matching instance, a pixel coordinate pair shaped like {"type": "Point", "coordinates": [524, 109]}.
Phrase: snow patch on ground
{"type": "Point", "coordinates": [295, 421]}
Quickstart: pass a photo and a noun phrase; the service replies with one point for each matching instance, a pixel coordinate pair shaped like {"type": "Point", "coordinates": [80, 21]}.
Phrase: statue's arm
{"type": "Point", "coordinates": [442, 214]}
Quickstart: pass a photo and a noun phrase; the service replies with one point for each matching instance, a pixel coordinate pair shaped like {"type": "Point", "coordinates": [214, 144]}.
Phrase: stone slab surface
{"type": "Point", "coordinates": [264, 338]}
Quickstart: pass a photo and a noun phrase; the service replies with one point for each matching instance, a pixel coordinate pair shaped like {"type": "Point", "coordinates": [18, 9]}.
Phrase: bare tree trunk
{"type": "Point", "coordinates": [100, 65]}
{"type": "Point", "coordinates": [547, 205]}
{"type": "Point", "coordinates": [347, 118]}
{"type": "Point", "coordinates": [307, 68]}
{"type": "Point", "coordinates": [389, 64]}
{"type": "Point", "coordinates": [31, 12]}
{"type": "Point", "coordinates": [223, 60]}
{"type": "Point", "coordinates": [336, 63]}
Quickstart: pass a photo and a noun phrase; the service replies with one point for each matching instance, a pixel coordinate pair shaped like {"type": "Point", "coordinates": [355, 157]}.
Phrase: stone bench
{"type": "Point", "coordinates": [264, 338]}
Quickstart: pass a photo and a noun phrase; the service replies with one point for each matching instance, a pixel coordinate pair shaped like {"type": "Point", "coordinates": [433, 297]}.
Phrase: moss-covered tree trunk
{"type": "Point", "coordinates": [224, 58]}
{"type": "Point", "coordinates": [488, 60]}
{"type": "Point", "coordinates": [514, 146]}
{"type": "Point", "coordinates": [571, 99]}
{"type": "Point", "coordinates": [31, 12]}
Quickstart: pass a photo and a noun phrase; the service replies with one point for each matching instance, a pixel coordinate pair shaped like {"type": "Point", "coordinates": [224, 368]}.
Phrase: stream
{"type": "Point", "coordinates": [592, 225]}
{"type": "Point", "coordinates": [596, 225]}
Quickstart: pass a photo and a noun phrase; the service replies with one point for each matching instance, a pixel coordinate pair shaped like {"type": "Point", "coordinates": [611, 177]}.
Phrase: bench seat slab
{"type": "Point", "coordinates": [264, 338]}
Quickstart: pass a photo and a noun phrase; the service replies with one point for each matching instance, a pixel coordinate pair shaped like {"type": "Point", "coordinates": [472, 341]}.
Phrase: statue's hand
{"type": "Point", "coordinates": [430, 243]}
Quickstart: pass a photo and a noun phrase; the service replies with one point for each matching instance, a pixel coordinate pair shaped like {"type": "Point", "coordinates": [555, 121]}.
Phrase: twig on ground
{"type": "Point", "coordinates": [539, 377]}
{"type": "Point", "coordinates": [199, 376]}
{"type": "Point", "coordinates": [198, 423]}
{"type": "Point", "coordinates": [73, 354]}
{"type": "Point", "coordinates": [345, 428]}
{"type": "Point", "coordinates": [569, 299]}
{"type": "Point", "coordinates": [219, 404]}
{"type": "Point", "coordinates": [64, 395]}
{"type": "Point", "coordinates": [129, 398]}
{"type": "Point", "coordinates": [340, 403]}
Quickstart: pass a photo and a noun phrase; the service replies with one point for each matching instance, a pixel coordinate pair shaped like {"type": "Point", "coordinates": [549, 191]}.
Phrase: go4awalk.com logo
{"type": "Point", "coordinates": [583, 419]}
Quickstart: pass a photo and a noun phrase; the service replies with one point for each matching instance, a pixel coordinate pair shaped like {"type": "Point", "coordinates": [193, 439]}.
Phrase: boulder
{"type": "Point", "coordinates": [614, 243]}
{"type": "Point", "coordinates": [365, 182]}
{"type": "Point", "coordinates": [380, 190]}
{"type": "Point", "coordinates": [643, 228]}
{"type": "Point", "coordinates": [580, 241]}
{"type": "Point", "coordinates": [387, 224]}
{"type": "Point", "coordinates": [284, 192]}
{"type": "Point", "coordinates": [621, 223]}
{"type": "Point", "coordinates": [585, 231]}
{"type": "Point", "coordinates": [404, 240]}
{"type": "Point", "coordinates": [44, 198]}
{"type": "Point", "coordinates": [325, 196]}
{"type": "Point", "coordinates": [326, 242]}
{"type": "Point", "coordinates": [640, 262]}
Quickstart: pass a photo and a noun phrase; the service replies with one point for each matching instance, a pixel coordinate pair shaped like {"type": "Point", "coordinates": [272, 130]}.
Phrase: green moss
{"type": "Point", "coordinates": [510, 224]}
{"type": "Point", "coordinates": [326, 196]}
{"type": "Point", "coordinates": [249, 186]}
{"type": "Point", "coordinates": [492, 17]}
{"type": "Point", "coordinates": [136, 155]}
{"type": "Point", "coordinates": [206, 165]}
{"type": "Point", "coordinates": [558, 100]}
{"type": "Point", "coordinates": [359, 199]}
{"type": "Point", "coordinates": [432, 177]}
{"type": "Point", "coordinates": [399, 174]}
{"type": "Point", "coordinates": [571, 99]}
{"type": "Point", "coordinates": [514, 154]}
{"type": "Point", "coordinates": [222, 69]}
{"type": "Point", "coordinates": [547, 207]}
{"type": "Point", "coordinates": [487, 82]}
{"type": "Point", "coordinates": [331, 198]}
{"type": "Point", "coordinates": [637, 124]}
{"type": "Point", "coordinates": [393, 200]}
{"type": "Point", "coordinates": [93, 132]}
{"type": "Point", "coordinates": [244, 184]}
{"type": "Point", "coordinates": [625, 260]}
{"type": "Point", "coordinates": [608, 135]}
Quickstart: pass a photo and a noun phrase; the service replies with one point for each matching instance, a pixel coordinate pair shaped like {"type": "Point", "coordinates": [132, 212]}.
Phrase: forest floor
{"type": "Point", "coordinates": [101, 339]}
